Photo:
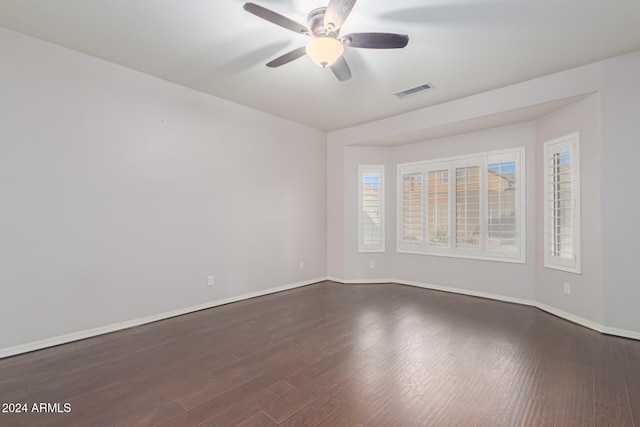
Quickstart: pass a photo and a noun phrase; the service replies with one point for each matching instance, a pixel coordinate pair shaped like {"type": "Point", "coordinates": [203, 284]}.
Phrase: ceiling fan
{"type": "Point", "coordinates": [327, 46]}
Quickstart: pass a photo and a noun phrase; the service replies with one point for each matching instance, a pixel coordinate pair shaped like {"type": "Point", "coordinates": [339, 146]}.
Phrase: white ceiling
{"type": "Point", "coordinates": [462, 47]}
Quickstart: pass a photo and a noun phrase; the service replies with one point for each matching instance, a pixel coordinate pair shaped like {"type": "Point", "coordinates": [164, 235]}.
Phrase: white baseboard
{"type": "Point", "coordinates": [63, 339]}
{"type": "Point", "coordinates": [570, 317]}
{"type": "Point", "coordinates": [88, 333]}
{"type": "Point", "coordinates": [466, 292]}
{"type": "Point", "coordinates": [556, 312]}
{"type": "Point", "coordinates": [361, 281]}
{"type": "Point", "coordinates": [621, 333]}
{"type": "Point", "coordinates": [588, 323]}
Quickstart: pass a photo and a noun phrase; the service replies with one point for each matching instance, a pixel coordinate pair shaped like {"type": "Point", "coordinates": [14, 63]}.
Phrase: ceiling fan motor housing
{"type": "Point", "coordinates": [316, 23]}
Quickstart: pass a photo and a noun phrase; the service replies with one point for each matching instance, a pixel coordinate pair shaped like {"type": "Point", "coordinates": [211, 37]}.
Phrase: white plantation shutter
{"type": "Point", "coordinates": [371, 204]}
{"type": "Point", "coordinates": [502, 200]}
{"type": "Point", "coordinates": [411, 210]}
{"type": "Point", "coordinates": [438, 206]}
{"type": "Point", "coordinates": [468, 206]}
{"type": "Point", "coordinates": [562, 204]}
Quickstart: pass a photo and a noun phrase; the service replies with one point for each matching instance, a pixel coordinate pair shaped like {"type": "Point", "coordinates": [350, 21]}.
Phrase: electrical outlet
{"type": "Point", "coordinates": [567, 288]}
{"type": "Point", "coordinates": [301, 265]}
{"type": "Point", "coordinates": [210, 281]}
{"type": "Point", "coordinates": [372, 264]}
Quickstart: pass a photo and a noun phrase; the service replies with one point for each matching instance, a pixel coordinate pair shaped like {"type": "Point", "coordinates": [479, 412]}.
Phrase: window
{"type": "Point", "coordinates": [501, 202]}
{"type": "Point", "coordinates": [412, 209]}
{"type": "Point", "coordinates": [467, 207]}
{"type": "Point", "coordinates": [437, 208]}
{"type": "Point", "coordinates": [371, 208]}
{"type": "Point", "coordinates": [478, 213]}
{"type": "Point", "coordinates": [562, 204]}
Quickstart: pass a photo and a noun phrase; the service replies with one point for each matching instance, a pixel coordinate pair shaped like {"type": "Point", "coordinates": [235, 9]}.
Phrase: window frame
{"type": "Point", "coordinates": [362, 170]}
{"type": "Point", "coordinates": [552, 147]}
{"type": "Point", "coordinates": [483, 252]}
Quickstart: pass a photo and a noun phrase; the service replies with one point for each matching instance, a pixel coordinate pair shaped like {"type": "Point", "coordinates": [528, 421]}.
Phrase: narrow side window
{"type": "Point", "coordinates": [371, 208]}
{"type": "Point", "coordinates": [562, 203]}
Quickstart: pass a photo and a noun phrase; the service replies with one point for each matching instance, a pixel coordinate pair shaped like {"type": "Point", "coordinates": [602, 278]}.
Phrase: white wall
{"type": "Point", "coordinates": [357, 265]}
{"type": "Point", "coordinates": [484, 107]}
{"type": "Point", "coordinates": [120, 193]}
{"type": "Point", "coordinates": [509, 280]}
{"type": "Point", "coordinates": [585, 300]}
{"type": "Point", "coordinates": [620, 191]}
{"type": "Point", "coordinates": [605, 112]}
{"type": "Point", "coordinates": [336, 214]}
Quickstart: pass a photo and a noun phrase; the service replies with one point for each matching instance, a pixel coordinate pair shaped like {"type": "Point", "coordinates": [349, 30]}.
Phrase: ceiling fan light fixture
{"type": "Point", "coordinates": [324, 51]}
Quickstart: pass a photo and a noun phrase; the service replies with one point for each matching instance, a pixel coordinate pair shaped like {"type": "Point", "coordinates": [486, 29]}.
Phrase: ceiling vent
{"type": "Point", "coordinates": [414, 90]}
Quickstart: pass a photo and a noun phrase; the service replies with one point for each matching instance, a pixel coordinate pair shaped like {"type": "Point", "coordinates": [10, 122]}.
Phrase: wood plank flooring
{"type": "Point", "coordinates": [336, 355]}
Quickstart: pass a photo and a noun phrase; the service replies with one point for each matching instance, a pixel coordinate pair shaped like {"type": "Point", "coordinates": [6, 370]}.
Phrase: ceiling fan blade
{"type": "Point", "coordinates": [341, 69]}
{"type": "Point", "coordinates": [287, 57]}
{"type": "Point", "coordinates": [337, 12]}
{"type": "Point", "coordinates": [276, 18]}
{"type": "Point", "coordinates": [376, 40]}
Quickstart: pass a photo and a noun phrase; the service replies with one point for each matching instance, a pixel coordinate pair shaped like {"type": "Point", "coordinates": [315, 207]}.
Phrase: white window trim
{"type": "Point", "coordinates": [550, 261]}
{"type": "Point", "coordinates": [453, 252]}
{"type": "Point", "coordinates": [362, 169]}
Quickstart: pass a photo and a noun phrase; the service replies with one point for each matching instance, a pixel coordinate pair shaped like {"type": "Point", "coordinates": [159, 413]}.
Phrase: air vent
{"type": "Point", "coordinates": [414, 90]}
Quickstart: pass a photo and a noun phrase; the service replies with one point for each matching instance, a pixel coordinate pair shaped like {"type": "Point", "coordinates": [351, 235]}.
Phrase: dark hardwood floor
{"type": "Point", "coordinates": [336, 355]}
